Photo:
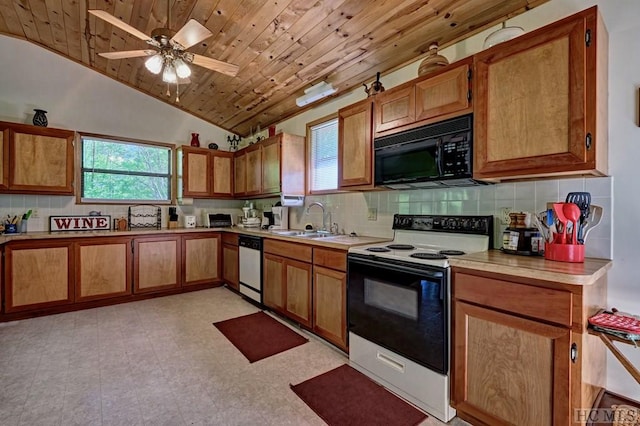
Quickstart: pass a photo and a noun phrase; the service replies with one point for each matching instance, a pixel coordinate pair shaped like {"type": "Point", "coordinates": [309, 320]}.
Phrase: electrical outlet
{"type": "Point", "coordinates": [504, 215]}
{"type": "Point", "coordinates": [372, 214]}
{"type": "Point", "coordinates": [35, 214]}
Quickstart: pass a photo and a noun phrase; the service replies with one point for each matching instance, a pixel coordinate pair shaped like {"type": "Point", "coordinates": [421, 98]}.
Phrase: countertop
{"type": "Point", "coordinates": [341, 242]}
{"type": "Point", "coordinates": [536, 267]}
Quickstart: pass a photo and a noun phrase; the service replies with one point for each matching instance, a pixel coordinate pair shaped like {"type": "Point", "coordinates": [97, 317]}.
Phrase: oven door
{"type": "Point", "coordinates": [402, 307]}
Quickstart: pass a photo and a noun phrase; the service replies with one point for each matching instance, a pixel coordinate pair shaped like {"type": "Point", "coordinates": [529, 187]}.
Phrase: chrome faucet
{"type": "Point", "coordinates": [316, 203]}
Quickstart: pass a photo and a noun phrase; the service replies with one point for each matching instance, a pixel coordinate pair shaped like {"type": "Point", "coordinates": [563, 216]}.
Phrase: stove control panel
{"type": "Point", "coordinates": [479, 225]}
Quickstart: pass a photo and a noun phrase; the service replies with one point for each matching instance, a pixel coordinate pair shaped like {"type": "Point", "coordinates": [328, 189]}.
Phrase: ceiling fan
{"type": "Point", "coordinates": [169, 54]}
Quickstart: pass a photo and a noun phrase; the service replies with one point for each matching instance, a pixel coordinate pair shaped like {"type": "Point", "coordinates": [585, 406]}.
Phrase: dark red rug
{"type": "Point", "coordinates": [259, 336]}
{"type": "Point", "coordinates": [344, 396]}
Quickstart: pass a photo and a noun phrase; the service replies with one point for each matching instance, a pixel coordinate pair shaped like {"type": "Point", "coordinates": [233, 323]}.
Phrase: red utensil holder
{"type": "Point", "coordinates": [564, 252]}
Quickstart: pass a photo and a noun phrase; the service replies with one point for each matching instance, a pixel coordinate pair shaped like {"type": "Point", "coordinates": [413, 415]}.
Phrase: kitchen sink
{"type": "Point", "coordinates": [304, 234]}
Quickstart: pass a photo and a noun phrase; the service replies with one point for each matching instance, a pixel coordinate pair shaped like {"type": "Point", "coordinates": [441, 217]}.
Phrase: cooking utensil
{"type": "Point", "coordinates": [572, 213]}
{"type": "Point", "coordinates": [595, 216]}
{"type": "Point", "coordinates": [583, 201]}
{"type": "Point", "coordinates": [558, 208]}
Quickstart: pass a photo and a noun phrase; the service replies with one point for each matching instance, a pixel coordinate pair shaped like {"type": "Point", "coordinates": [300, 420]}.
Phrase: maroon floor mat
{"type": "Point", "coordinates": [259, 336]}
{"type": "Point", "coordinates": [344, 396]}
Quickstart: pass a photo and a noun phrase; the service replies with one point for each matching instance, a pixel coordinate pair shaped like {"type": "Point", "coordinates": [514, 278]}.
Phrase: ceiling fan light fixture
{"type": "Point", "coordinates": [154, 63]}
{"type": "Point", "coordinates": [182, 69]}
{"type": "Point", "coordinates": [169, 74]}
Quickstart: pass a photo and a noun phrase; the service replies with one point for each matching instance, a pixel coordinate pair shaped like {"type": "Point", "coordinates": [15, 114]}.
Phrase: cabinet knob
{"type": "Point", "coordinates": [574, 352]}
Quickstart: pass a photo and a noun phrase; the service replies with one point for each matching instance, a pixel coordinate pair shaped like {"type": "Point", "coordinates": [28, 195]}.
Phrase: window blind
{"type": "Point", "coordinates": [324, 156]}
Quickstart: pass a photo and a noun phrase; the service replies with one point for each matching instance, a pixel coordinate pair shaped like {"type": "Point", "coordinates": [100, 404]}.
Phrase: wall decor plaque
{"type": "Point", "coordinates": [79, 223]}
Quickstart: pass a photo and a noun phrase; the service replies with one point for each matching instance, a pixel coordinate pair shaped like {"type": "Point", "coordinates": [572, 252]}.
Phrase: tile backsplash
{"type": "Point", "coordinates": [351, 211]}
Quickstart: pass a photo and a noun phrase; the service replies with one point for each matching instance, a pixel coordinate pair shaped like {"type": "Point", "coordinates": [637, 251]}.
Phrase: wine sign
{"type": "Point", "coordinates": [79, 223]}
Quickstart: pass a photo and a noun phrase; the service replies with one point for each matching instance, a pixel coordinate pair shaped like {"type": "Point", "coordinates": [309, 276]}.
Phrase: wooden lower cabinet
{"type": "Point", "coordinates": [521, 353]}
{"type": "Point", "coordinates": [286, 286]}
{"type": "Point", "coordinates": [330, 305]}
{"type": "Point", "coordinates": [38, 274]}
{"type": "Point", "coordinates": [201, 254]}
{"type": "Point", "coordinates": [103, 268]}
{"type": "Point", "coordinates": [230, 260]}
{"type": "Point", "coordinates": [157, 263]}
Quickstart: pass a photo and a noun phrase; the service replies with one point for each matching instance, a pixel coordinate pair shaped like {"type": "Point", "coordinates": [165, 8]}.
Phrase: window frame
{"type": "Point", "coordinates": [311, 124]}
{"type": "Point", "coordinates": [130, 141]}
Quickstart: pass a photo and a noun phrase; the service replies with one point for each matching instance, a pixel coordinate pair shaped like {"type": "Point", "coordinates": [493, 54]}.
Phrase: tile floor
{"type": "Point", "coordinates": [153, 362]}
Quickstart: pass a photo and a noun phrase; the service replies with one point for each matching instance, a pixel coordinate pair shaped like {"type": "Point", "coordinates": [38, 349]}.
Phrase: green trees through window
{"type": "Point", "coordinates": [114, 170]}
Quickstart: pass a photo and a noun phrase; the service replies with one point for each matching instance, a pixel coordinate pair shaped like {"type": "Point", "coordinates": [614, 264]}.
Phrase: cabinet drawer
{"type": "Point", "coordinates": [535, 302]}
{"type": "Point", "coordinates": [229, 238]}
{"type": "Point", "coordinates": [291, 250]}
{"type": "Point", "coordinates": [334, 259]}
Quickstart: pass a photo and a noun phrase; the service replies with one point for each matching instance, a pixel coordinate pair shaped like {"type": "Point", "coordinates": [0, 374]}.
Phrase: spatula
{"type": "Point", "coordinates": [595, 216]}
{"type": "Point", "coordinates": [583, 201]}
{"type": "Point", "coordinates": [572, 213]}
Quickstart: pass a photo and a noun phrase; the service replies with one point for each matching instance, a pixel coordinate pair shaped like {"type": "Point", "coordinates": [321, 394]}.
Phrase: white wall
{"type": "Point", "coordinates": [80, 99]}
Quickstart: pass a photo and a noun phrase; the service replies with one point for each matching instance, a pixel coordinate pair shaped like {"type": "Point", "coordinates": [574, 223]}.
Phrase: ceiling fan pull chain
{"type": "Point", "coordinates": [177, 93]}
{"type": "Point", "coordinates": [168, 92]}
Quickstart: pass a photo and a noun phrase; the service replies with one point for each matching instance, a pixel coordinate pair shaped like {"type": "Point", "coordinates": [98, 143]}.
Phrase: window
{"type": "Point", "coordinates": [323, 154]}
{"type": "Point", "coordinates": [125, 171]}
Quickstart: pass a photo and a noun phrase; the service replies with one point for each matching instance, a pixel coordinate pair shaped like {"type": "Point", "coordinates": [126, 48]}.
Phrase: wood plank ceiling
{"type": "Point", "coordinates": [281, 46]}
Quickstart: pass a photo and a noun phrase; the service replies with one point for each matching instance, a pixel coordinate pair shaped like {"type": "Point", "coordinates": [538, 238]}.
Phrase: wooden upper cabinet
{"type": "Point", "coordinates": [239, 173]}
{"type": "Point", "coordinates": [541, 102]}
{"type": "Point", "coordinates": [253, 170]}
{"type": "Point", "coordinates": [196, 164]}
{"type": "Point", "coordinates": [271, 166]}
{"type": "Point", "coordinates": [355, 146]}
{"type": "Point", "coordinates": [444, 93]}
{"type": "Point", "coordinates": [396, 107]}
{"type": "Point", "coordinates": [221, 174]}
{"type": "Point", "coordinates": [40, 159]}
{"type": "Point", "coordinates": [4, 160]}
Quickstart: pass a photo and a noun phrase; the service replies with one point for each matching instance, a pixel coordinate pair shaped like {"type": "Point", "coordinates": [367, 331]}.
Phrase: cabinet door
{"type": "Point", "coordinates": [41, 160]}
{"type": "Point", "coordinates": [201, 258]}
{"type": "Point", "coordinates": [103, 268]}
{"type": "Point", "coordinates": [395, 108]}
{"type": "Point", "coordinates": [535, 102]}
{"type": "Point", "coordinates": [271, 166]}
{"type": "Point", "coordinates": [156, 263]}
{"type": "Point", "coordinates": [4, 158]}
{"type": "Point", "coordinates": [298, 291]}
{"type": "Point", "coordinates": [273, 282]}
{"type": "Point", "coordinates": [222, 174]}
{"type": "Point", "coordinates": [510, 370]}
{"type": "Point", "coordinates": [330, 305]}
{"type": "Point", "coordinates": [355, 146]}
{"type": "Point", "coordinates": [254, 170]}
{"type": "Point", "coordinates": [195, 172]}
{"type": "Point", "coordinates": [239, 174]}
{"type": "Point", "coordinates": [443, 94]}
{"type": "Point", "coordinates": [230, 265]}
{"type": "Point", "coordinates": [38, 275]}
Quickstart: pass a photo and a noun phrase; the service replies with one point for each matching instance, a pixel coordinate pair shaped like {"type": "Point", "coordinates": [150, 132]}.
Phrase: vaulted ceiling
{"type": "Point", "coordinates": [281, 46]}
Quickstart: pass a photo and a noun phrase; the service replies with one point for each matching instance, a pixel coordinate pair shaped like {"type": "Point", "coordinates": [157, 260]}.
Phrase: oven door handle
{"type": "Point", "coordinates": [395, 267]}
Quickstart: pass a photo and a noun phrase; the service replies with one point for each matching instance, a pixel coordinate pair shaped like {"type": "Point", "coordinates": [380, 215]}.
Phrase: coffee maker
{"type": "Point", "coordinates": [280, 217]}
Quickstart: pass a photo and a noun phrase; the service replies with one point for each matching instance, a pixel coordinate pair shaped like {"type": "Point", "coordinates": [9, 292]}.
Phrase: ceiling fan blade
{"type": "Point", "coordinates": [192, 33]}
{"type": "Point", "coordinates": [128, 54]}
{"type": "Point", "coordinates": [106, 16]}
{"type": "Point", "coordinates": [215, 65]}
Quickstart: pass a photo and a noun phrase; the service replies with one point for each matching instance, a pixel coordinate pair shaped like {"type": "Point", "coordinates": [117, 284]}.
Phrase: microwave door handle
{"type": "Point", "coordinates": [439, 156]}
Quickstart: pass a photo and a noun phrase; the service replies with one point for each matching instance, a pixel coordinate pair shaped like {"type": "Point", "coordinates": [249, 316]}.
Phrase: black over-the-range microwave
{"type": "Point", "coordinates": [435, 155]}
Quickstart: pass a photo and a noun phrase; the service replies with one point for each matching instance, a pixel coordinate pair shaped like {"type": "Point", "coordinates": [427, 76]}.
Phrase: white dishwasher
{"type": "Point", "coordinates": [250, 259]}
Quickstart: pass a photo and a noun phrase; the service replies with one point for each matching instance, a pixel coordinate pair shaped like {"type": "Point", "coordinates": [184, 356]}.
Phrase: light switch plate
{"type": "Point", "coordinates": [372, 214]}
